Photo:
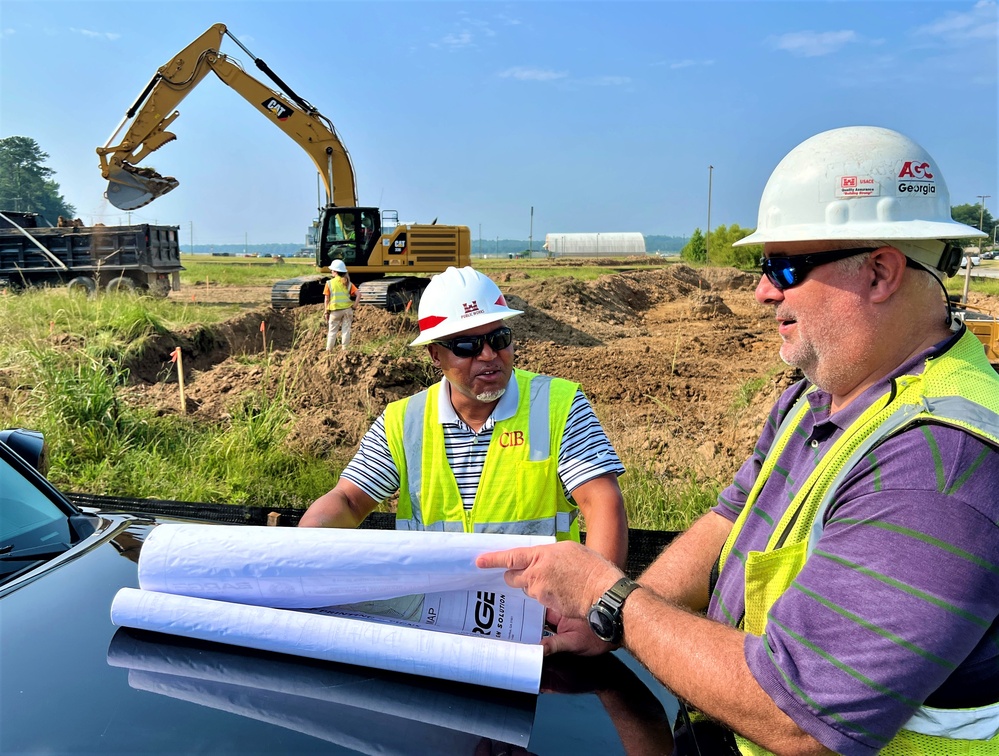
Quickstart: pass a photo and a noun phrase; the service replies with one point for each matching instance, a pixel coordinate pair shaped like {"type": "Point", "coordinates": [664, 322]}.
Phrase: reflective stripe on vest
{"type": "Point", "coordinates": [519, 490]}
{"type": "Point", "coordinates": [964, 372]}
{"type": "Point", "coordinates": [339, 295]}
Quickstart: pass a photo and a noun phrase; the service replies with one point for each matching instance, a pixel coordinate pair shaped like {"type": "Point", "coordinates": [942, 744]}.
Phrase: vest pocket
{"type": "Point", "coordinates": [768, 575]}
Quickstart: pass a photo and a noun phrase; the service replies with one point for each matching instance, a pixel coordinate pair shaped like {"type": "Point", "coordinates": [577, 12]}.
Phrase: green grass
{"type": "Point", "coordinates": [241, 271]}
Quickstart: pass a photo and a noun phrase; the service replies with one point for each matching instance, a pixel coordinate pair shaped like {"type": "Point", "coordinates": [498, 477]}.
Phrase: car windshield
{"type": "Point", "coordinates": [32, 527]}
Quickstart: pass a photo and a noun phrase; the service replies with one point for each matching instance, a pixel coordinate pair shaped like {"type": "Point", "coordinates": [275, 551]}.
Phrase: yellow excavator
{"type": "Point", "coordinates": [388, 260]}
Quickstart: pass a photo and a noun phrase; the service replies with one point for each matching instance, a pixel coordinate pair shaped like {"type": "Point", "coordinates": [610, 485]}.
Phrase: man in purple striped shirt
{"type": "Point", "coordinates": [843, 594]}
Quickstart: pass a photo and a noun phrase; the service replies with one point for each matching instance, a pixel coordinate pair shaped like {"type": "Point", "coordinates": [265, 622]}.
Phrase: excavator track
{"type": "Point", "coordinates": [296, 292]}
{"type": "Point", "coordinates": [393, 294]}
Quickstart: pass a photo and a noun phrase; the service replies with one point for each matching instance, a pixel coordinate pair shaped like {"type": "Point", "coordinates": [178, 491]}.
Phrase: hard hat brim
{"type": "Point", "coordinates": [914, 230]}
{"type": "Point", "coordinates": [453, 326]}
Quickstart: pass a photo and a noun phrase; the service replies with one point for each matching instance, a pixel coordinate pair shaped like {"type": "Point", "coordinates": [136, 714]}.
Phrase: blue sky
{"type": "Point", "coordinates": [602, 116]}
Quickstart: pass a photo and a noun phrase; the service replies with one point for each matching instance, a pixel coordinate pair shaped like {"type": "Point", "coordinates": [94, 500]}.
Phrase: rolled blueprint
{"type": "Point", "coordinates": [475, 660]}
{"type": "Point", "coordinates": [310, 568]}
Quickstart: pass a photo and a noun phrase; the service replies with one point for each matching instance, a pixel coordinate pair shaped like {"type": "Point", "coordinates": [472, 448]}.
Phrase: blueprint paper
{"type": "Point", "coordinates": [311, 568]}
{"type": "Point", "coordinates": [475, 660]}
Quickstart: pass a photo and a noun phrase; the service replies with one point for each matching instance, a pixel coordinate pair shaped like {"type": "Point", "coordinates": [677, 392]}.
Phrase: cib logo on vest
{"type": "Point", "coordinates": [508, 439]}
{"type": "Point", "coordinates": [915, 177]}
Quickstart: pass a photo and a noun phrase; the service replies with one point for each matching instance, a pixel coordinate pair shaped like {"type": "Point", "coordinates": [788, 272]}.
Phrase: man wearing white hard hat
{"type": "Point", "coordinates": [338, 295]}
{"type": "Point", "coordinates": [488, 449]}
{"type": "Point", "coordinates": [843, 594]}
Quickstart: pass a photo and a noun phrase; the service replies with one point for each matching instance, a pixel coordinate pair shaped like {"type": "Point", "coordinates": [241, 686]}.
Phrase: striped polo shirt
{"type": "Point", "coordinates": [897, 605]}
{"type": "Point", "coordinates": [585, 453]}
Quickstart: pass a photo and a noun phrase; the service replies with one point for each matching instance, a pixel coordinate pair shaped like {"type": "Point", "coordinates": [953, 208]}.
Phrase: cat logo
{"type": "Point", "coordinates": [279, 111]}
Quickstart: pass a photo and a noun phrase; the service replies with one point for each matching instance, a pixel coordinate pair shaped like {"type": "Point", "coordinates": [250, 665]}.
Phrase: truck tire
{"type": "Point", "coordinates": [82, 285]}
{"type": "Point", "coordinates": [120, 284]}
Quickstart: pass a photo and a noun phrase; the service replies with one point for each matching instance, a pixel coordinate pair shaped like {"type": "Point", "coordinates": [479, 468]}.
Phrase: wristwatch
{"type": "Point", "coordinates": [605, 615]}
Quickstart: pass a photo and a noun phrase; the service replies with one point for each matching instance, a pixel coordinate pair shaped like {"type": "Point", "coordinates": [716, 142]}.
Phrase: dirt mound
{"type": "Point", "coordinates": [663, 355]}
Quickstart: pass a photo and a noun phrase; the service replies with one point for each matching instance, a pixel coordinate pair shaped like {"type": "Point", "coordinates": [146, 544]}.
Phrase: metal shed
{"type": "Point", "coordinates": [613, 244]}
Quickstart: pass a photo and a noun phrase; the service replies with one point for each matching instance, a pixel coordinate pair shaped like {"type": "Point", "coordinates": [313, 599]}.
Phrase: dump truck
{"type": "Point", "coordinates": [388, 260]}
{"type": "Point", "coordinates": [142, 257]}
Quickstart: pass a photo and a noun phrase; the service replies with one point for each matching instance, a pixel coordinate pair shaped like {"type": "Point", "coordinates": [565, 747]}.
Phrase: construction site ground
{"type": "Point", "coordinates": [681, 364]}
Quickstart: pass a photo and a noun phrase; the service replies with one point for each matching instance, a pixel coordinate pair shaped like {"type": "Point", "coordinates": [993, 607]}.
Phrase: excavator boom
{"type": "Point", "coordinates": [387, 259]}
{"type": "Point", "coordinates": [131, 187]}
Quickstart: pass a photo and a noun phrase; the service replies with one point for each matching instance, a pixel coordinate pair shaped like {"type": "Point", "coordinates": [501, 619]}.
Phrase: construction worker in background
{"type": "Point", "coordinates": [488, 449]}
{"type": "Point", "coordinates": [843, 594]}
{"type": "Point", "coordinates": [338, 303]}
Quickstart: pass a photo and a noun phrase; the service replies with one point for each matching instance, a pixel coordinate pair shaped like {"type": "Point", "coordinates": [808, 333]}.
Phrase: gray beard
{"type": "Point", "coordinates": [490, 396]}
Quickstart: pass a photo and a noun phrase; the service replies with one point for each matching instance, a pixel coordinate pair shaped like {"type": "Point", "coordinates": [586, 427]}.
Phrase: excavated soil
{"type": "Point", "coordinates": [681, 365]}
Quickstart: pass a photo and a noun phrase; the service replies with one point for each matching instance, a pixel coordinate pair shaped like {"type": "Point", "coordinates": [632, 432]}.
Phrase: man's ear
{"type": "Point", "coordinates": [432, 351]}
{"type": "Point", "coordinates": [887, 266]}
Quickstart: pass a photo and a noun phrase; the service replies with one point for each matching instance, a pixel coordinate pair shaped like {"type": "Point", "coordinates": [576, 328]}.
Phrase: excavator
{"type": "Point", "coordinates": [388, 260]}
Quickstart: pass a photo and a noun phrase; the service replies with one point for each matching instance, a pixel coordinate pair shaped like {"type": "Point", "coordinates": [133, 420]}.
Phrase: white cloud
{"type": "Point", "coordinates": [978, 23]}
{"type": "Point", "coordinates": [688, 63]}
{"type": "Point", "coordinates": [810, 44]}
{"type": "Point", "coordinates": [458, 41]}
{"type": "Point", "coordinates": [610, 81]}
{"type": "Point", "coordinates": [96, 35]}
{"type": "Point", "coordinates": [522, 73]}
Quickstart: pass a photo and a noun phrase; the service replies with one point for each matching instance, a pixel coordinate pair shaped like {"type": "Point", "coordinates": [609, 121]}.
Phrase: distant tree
{"type": "Point", "coordinates": [970, 215]}
{"type": "Point", "coordinates": [722, 251]}
{"type": "Point", "coordinates": [26, 184]}
{"type": "Point", "coordinates": [694, 250]}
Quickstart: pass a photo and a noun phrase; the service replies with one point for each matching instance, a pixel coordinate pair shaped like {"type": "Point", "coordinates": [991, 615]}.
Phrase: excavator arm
{"type": "Point", "coordinates": [131, 186]}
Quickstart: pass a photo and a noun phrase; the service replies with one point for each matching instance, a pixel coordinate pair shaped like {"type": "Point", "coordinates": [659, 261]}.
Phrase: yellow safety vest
{"type": "Point", "coordinates": [957, 388]}
{"type": "Point", "coordinates": [336, 289]}
{"type": "Point", "coordinates": [519, 491]}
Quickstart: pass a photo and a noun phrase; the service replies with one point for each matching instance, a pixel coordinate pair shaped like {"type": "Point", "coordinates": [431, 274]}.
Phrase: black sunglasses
{"type": "Point", "coordinates": [472, 346]}
{"type": "Point", "coordinates": [784, 272]}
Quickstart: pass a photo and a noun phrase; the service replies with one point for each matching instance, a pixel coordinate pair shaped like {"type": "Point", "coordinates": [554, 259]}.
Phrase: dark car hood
{"type": "Point", "coordinates": [73, 683]}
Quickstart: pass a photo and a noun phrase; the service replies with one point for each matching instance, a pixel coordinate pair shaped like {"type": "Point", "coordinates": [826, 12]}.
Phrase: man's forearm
{"type": "Point", "coordinates": [681, 574]}
{"type": "Point", "coordinates": [602, 506]}
{"type": "Point", "coordinates": [345, 506]}
{"type": "Point", "coordinates": [702, 661]}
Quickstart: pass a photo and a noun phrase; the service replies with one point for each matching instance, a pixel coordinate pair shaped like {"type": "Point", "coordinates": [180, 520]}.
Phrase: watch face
{"type": "Point", "coordinates": [601, 623]}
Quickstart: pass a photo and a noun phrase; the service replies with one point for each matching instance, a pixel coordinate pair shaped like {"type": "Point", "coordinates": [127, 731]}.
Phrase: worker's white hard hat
{"type": "Point", "coordinates": [458, 300]}
{"type": "Point", "coordinates": [337, 266]}
{"type": "Point", "coordinates": [860, 183]}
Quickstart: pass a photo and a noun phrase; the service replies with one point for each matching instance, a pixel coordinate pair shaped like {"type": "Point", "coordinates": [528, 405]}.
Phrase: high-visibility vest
{"type": "Point", "coordinates": [336, 290]}
{"type": "Point", "coordinates": [957, 388]}
{"type": "Point", "coordinates": [519, 491]}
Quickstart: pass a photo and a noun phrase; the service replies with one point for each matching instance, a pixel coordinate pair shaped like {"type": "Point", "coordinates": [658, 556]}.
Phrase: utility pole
{"type": "Point", "coordinates": [530, 248]}
{"type": "Point", "coordinates": [192, 237]}
{"type": "Point", "coordinates": [707, 236]}
{"type": "Point", "coordinates": [981, 211]}
{"type": "Point", "coordinates": [481, 250]}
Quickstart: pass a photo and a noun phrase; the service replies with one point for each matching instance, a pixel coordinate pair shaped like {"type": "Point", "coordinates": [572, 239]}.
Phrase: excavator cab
{"type": "Point", "coordinates": [348, 234]}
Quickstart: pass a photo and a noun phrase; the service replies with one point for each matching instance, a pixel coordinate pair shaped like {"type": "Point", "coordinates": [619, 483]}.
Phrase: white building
{"type": "Point", "coordinates": [615, 244]}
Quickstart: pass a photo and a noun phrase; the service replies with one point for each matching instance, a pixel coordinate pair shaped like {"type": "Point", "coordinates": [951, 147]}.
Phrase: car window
{"type": "Point", "coordinates": [28, 518]}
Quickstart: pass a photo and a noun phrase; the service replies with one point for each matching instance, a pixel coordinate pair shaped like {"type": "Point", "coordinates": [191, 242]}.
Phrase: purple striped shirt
{"type": "Point", "coordinates": [897, 605]}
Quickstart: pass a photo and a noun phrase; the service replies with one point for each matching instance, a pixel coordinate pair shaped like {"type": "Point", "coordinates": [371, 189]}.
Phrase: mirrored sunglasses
{"type": "Point", "coordinates": [472, 346]}
{"type": "Point", "coordinates": [784, 272]}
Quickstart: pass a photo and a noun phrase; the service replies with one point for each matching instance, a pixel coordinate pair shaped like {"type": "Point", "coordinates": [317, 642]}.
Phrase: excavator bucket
{"type": "Point", "coordinates": [129, 188]}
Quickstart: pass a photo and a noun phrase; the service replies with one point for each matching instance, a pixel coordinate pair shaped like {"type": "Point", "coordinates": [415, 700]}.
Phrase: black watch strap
{"type": "Point", "coordinates": [608, 625]}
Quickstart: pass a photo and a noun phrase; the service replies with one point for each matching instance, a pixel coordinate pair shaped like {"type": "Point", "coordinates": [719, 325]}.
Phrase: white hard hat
{"type": "Point", "coordinates": [337, 266]}
{"type": "Point", "coordinates": [859, 182]}
{"type": "Point", "coordinates": [458, 300]}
